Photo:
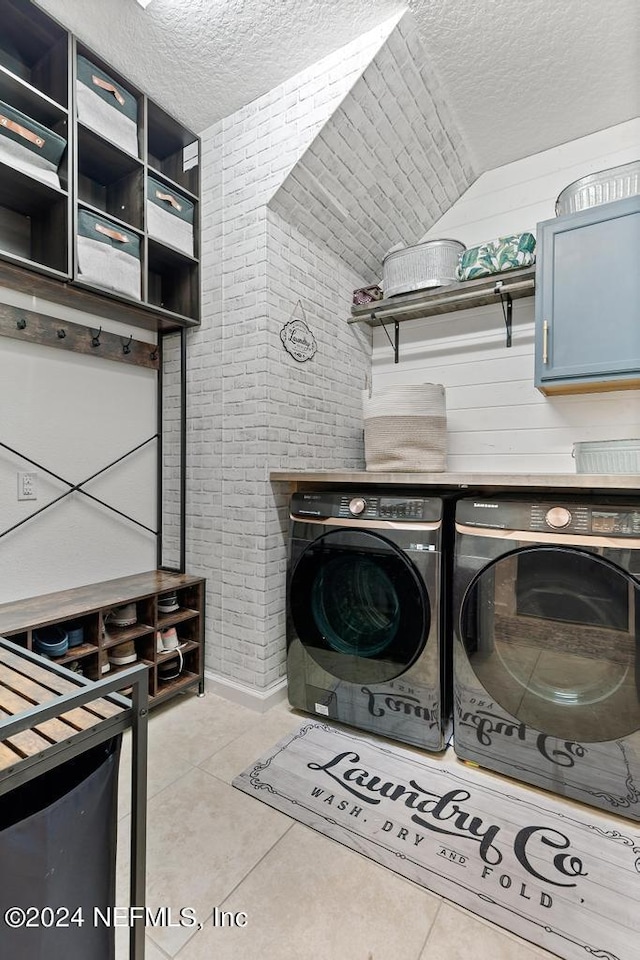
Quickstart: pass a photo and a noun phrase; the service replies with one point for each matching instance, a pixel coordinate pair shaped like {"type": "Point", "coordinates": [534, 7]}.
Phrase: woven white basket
{"type": "Point", "coordinates": [405, 429]}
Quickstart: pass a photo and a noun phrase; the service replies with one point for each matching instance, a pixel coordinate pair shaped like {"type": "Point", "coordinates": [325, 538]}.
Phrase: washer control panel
{"type": "Point", "coordinates": [588, 519]}
{"type": "Point", "coordinates": [366, 506]}
{"type": "Point", "coordinates": [384, 508]}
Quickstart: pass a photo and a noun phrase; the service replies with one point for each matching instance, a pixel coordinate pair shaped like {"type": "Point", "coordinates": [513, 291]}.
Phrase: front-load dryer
{"type": "Point", "coordinates": [546, 615]}
{"type": "Point", "coordinates": [365, 631]}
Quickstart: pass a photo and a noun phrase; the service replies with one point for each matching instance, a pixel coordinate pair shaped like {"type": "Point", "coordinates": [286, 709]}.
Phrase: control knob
{"type": "Point", "coordinates": [357, 505]}
{"type": "Point", "coordinates": [558, 517]}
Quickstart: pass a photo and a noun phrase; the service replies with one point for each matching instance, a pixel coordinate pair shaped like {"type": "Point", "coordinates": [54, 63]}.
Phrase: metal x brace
{"type": "Point", "coordinates": [73, 487]}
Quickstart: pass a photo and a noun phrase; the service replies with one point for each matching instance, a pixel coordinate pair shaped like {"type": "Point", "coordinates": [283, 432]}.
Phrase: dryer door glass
{"type": "Point", "coordinates": [552, 635]}
{"type": "Point", "coordinates": [359, 606]}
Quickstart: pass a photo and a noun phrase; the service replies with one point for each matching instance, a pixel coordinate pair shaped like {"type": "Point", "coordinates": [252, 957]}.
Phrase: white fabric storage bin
{"type": "Point", "coordinates": [30, 147]}
{"type": "Point", "coordinates": [108, 256]}
{"type": "Point", "coordinates": [405, 429]}
{"type": "Point", "coordinates": [169, 216]}
{"type": "Point", "coordinates": [106, 107]}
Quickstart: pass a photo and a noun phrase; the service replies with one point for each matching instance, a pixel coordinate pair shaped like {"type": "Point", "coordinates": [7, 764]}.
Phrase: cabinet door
{"type": "Point", "coordinates": [588, 299]}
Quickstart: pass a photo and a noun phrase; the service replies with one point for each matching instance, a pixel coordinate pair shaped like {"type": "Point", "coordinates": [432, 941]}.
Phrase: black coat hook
{"type": "Point", "coordinates": [154, 354]}
{"type": "Point", "coordinates": [126, 346]}
{"type": "Point", "coordinates": [95, 337]}
{"type": "Point", "coordinates": [21, 323]}
{"type": "Point", "coordinates": [62, 333]}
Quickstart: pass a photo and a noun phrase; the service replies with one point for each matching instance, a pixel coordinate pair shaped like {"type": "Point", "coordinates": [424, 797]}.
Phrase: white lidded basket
{"type": "Point", "coordinates": [607, 456]}
{"type": "Point", "coordinates": [424, 265]}
{"type": "Point", "coordinates": [405, 429]}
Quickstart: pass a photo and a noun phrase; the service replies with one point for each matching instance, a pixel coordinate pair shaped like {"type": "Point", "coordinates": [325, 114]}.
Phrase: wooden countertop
{"type": "Point", "coordinates": [579, 482]}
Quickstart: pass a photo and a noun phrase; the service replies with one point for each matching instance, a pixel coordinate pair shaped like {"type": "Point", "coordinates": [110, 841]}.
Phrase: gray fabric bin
{"type": "Point", "coordinates": [106, 106]}
{"type": "Point", "coordinates": [58, 837]}
{"type": "Point", "coordinates": [29, 146]}
{"type": "Point", "coordinates": [169, 216]}
{"type": "Point", "coordinates": [108, 255]}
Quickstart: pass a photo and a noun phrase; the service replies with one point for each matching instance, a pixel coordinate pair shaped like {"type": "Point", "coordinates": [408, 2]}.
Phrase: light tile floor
{"type": "Point", "coordinates": [306, 897]}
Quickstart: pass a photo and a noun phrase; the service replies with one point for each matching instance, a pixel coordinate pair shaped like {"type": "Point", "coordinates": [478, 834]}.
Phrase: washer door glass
{"type": "Point", "coordinates": [552, 636]}
{"type": "Point", "coordinates": [359, 606]}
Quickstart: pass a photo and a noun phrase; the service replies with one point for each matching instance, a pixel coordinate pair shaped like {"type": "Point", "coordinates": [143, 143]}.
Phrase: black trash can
{"type": "Point", "coordinates": [58, 860]}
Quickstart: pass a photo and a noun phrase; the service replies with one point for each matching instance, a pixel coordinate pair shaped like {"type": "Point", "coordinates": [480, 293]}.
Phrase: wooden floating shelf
{"type": "Point", "coordinates": [455, 296]}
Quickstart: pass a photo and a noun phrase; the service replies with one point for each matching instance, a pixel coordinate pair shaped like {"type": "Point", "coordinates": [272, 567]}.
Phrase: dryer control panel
{"type": "Point", "coordinates": [366, 506]}
{"type": "Point", "coordinates": [551, 516]}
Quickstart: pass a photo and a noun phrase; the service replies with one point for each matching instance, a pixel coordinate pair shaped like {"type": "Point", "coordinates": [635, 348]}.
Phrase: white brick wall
{"type": "Point", "coordinates": [386, 165]}
{"type": "Point", "coordinates": [252, 407]}
{"type": "Point", "coordinates": [249, 408]}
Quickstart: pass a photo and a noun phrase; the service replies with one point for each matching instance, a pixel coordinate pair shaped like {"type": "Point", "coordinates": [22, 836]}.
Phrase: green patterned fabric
{"type": "Point", "coordinates": [496, 256]}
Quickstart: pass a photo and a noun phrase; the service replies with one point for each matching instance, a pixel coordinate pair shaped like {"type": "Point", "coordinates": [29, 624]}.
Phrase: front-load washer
{"type": "Point", "coordinates": [546, 614]}
{"type": "Point", "coordinates": [366, 638]}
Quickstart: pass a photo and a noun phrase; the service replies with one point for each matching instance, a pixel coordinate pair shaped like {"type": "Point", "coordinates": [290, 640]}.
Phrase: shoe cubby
{"type": "Point", "coordinates": [54, 79]}
{"type": "Point", "coordinates": [174, 672]}
{"type": "Point", "coordinates": [115, 635]}
{"type": "Point", "coordinates": [90, 608]}
{"type": "Point", "coordinates": [188, 630]}
{"type": "Point", "coordinates": [83, 633]}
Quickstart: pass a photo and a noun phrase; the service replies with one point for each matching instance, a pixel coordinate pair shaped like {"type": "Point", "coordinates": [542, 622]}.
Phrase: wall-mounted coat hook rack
{"type": "Point", "coordinates": [20, 324]}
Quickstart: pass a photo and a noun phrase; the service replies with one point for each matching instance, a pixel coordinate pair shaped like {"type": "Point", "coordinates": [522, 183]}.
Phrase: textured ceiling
{"type": "Point", "coordinates": [519, 77]}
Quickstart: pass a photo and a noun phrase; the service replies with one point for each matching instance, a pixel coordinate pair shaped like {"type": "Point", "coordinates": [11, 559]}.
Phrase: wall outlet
{"type": "Point", "coordinates": [27, 486]}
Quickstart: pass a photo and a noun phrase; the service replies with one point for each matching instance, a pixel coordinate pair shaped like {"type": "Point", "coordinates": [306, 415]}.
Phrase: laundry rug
{"type": "Point", "coordinates": [554, 872]}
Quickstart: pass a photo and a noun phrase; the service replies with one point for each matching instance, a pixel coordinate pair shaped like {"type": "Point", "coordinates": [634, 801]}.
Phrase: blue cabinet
{"type": "Point", "coordinates": [588, 300]}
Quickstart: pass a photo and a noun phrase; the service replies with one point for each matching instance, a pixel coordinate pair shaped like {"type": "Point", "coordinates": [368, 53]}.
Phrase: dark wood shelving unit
{"type": "Point", "coordinates": [90, 605]}
{"type": "Point", "coordinates": [38, 75]}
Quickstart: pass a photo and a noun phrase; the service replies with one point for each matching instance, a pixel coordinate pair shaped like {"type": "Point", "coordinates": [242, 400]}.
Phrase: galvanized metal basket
{"type": "Point", "coordinates": [424, 265]}
{"type": "Point", "coordinates": [615, 183]}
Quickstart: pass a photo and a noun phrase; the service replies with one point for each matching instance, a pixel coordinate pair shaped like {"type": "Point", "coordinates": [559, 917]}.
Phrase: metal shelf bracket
{"type": "Point", "coordinates": [395, 343]}
{"type": "Point", "coordinates": [508, 313]}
